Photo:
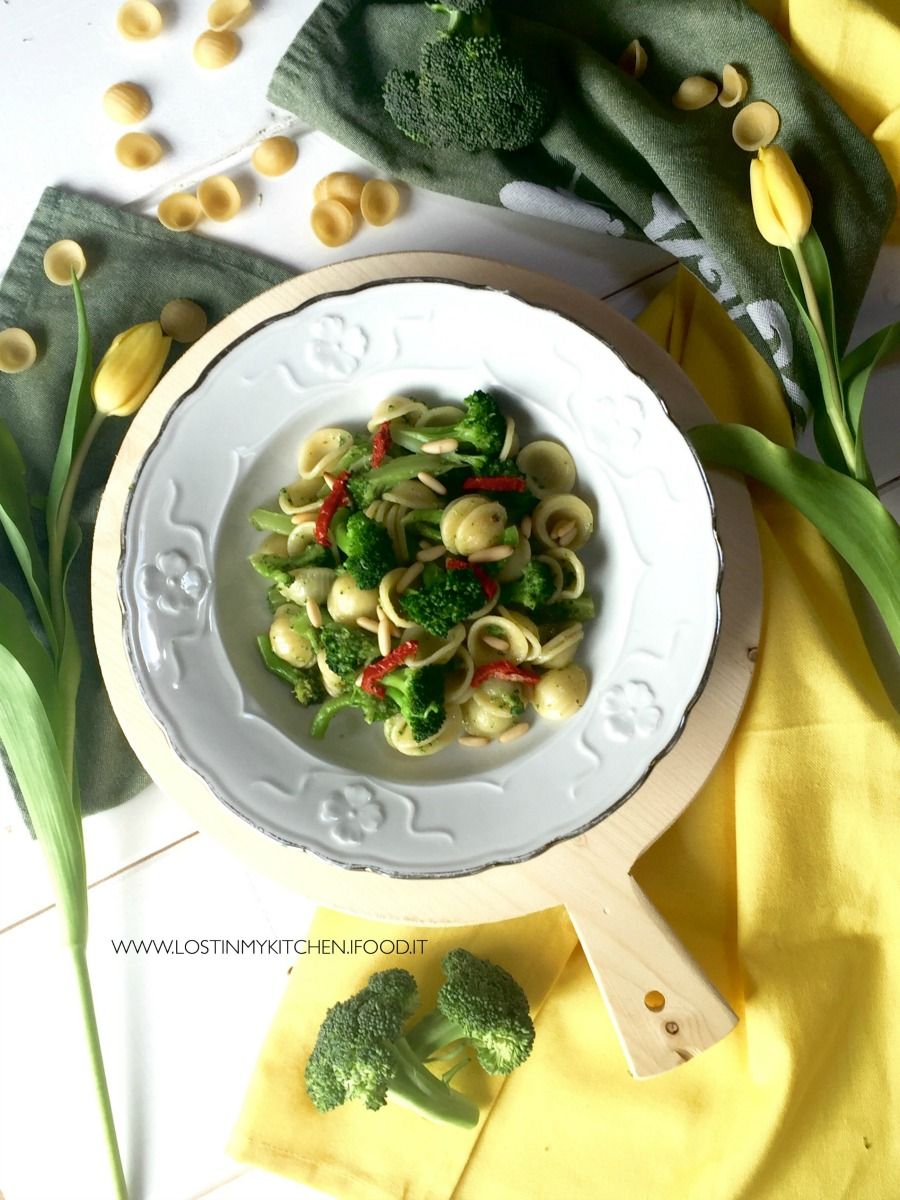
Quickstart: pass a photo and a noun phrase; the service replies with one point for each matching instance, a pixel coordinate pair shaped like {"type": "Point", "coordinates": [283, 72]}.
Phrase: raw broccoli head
{"type": "Point", "coordinates": [369, 550]}
{"type": "Point", "coordinates": [354, 1058]}
{"type": "Point", "coordinates": [481, 426]}
{"type": "Point", "coordinates": [372, 708]}
{"type": "Point", "coordinates": [490, 1009]}
{"type": "Point", "coordinates": [419, 694]}
{"type": "Point", "coordinates": [347, 649]}
{"type": "Point", "coordinates": [470, 92]}
{"type": "Point", "coordinates": [452, 598]}
{"type": "Point", "coordinates": [535, 587]}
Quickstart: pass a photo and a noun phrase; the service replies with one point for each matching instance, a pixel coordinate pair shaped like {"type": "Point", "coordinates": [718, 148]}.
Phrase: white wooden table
{"type": "Point", "coordinates": [181, 1032]}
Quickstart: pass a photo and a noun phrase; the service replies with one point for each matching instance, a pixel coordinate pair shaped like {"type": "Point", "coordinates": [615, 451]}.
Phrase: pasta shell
{"type": "Point", "coordinates": [756, 125]}
{"type": "Point", "coordinates": [301, 536]}
{"type": "Point", "coordinates": [298, 495]}
{"type": "Point", "coordinates": [379, 202]}
{"type": "Point", "coordinates": [412, 494]}
{"type": "Point", "coordinates": [215, 49]}
{"type": "Point", "coordinates": [183, 320]}
{"type": "Point", "coordinates": [496, 626]}
{"type": "Point", "coordinates": [275, 156]}
{"type": "Point", "coordinates": [510, 440]}
{"type": "Point", "coordinates": [557, 508]}
{"type": "Point", "coordinates": [321, 451]}
{"type": "Point", "coordinates": [225, 15]}
{"type": "Point", "coordinates": [528, 628]}
{"type": "Point", "coordinates": [734, 87]}
{"type": "Point", "coordinates": [633, 59]}
{"type": "Point", "coordinates": [393, 407]}
{"type": "Point", "coordinates": [61, 259]}
{"type": "Point", "coordinates": [139, 20]}
{"type": "Point", "coordinates": [18, 351]}
{"type": "Point", "coordinates": [219, 198]}
{"type": "Point", "coordinates": [331, 222]}
{"type": "Point", "coordinates": [389, 600]}
{"type": "Point", "coordinates": [347, 602]}
{"type": "Point", "coordinates": [513, 566]}
{"type": "Point", "coordinates": [560, 650]}
{"type": "Point", "coordinates": [334, 685]}
{"type": "Point", "coordinates": [138, 151]}
{"type": "Point", "coordinates": [179, 212]}
{"type": "Point", "coordinates": [548, 467]}
{"type": "Point", "coordinates": [481, 721]}
{"type": "Point", "coordinates": [695, 92]}
{"type": "Point", "coordinates": [479, 528]}
{"type": "Point", "coordinates": [126, 103]}
{"type": "Point", "coordinates": [344, 186]}
{"type": "Point", "coordinates": [397, 734]}
{"type": "Point", "coordinates": [434, 649]}
{"type": "Point", "coordinates": [560, 693]}
{"type": "Point", "coordinates": [459, 678]}
{"type": "Point", "coordinates": [274, 543]}
{"type": "Point", "coordinates": [572, 587]}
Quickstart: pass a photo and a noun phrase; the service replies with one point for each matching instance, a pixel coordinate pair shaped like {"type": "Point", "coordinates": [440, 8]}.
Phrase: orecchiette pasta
{"type": "Point", "coordinates": [288, 644]}
{"type": "Point", "coordinates": [310, 583]}
{"type": "Point", "coordinates": [394, 407]}
{"type": "Point", "coordinates": [555, 512]}
{"type": "Point", "coordinates": [512, 567]}
{"type": "Point", "coordinates": [399, 735]}
{"type": "Point", "coordinates": [548, 467]}
{"type": "Point", "coordinates": [442, 414]}
{"type": "Point", "coordinates": [434, 649]}
{"type": "Point", "coordinates": [411, 494]}
{"type": "Point", "coordinates": [298, 496]}
{"type": "Point", "coordinates": [347, 602]}
{"type": "Point", "coordinates": [481, 721]}
{"type": "Point", "coordinates": [472, 523]}
{"type": "Point", "coordinates": [334, 685]}
{"type": "Point", "coordinates": [560, 693]}
{"type": "Point", "coordinates": [560, 650]}
{"type": "Point", "coordinates": [300, 537]}
{"type": "Point", "coordinates": [459, 679]}
{"type": "Point", "coordinates": [500, 629]}
{"type": "Point", "coordinates": [322, 451]}
{"type": "Point", "coordinates": [572, 585]}
{"type": "Point", "coordinates": [391, 517]}
{"type": "Point", "coordinates": [389, 600]}
{"type": "Point", "coordinates": [528, 628]}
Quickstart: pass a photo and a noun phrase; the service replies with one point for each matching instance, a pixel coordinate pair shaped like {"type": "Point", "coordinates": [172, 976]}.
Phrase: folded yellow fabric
{"type": "Point", "coordinates": [781, 879]}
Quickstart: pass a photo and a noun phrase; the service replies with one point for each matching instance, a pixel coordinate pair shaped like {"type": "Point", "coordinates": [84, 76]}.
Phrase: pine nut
{"type": "Point", "coordinates": [491, 554]}
{"type": "Point", "coordinates": [411, 573]}
{"type": "Point", "coordinates": [329, 479]}
{"type": "Point", "coordinates": [368, 624]}
{"type": "Point", "coordinates": [473, 741]}
{"type": "Point", "coordinates": [501, 645]}
{"type": "Point", "coordinates": [561, 528]}
{"type": "Point", "coordinates": [430, 482]}
{"type": "Point", "coordinates": [302, 515]}
{"type": "Point", "coordinates": [516, 732]}
{"type": "Point", "coordinates": [525, 527]}
{"type": "Point", "coordinates": [314, 613]}
{"type": "Point", "coordinates": [566, 538]}
{"type": "Point", "coordinates": [431, 553]}
{"type": "Point", "coordinates": [384, 637]}
{"type": "Point", "coordinates": [441, 446]}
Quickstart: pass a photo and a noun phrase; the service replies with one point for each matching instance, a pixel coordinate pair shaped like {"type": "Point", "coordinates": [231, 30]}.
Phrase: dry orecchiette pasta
{"type": "Point", "coordinates": [548, 467]}
{"type": "Point", "coordinates": [560, 693]}
{"type": "Point", "coordinates": [555, 511]}
{"type": "Point", "coordinates": [322, 451]}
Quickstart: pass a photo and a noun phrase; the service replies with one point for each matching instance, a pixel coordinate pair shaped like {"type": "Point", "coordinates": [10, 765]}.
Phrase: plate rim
{"type": "Point", "coordinates": [386, 872]}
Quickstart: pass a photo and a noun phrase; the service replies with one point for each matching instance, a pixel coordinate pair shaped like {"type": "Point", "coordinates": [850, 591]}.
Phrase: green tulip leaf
{"type": "Point", "coordinates": [854, 521]}
{"type": "Point", "coordinates": [15, 517]}
{"type": "Point", "coordinates": [858, 366]}
{"type": "Point", "coordinates": [79, 409]}
{"type": "Point", "coordinates": [21, 641]}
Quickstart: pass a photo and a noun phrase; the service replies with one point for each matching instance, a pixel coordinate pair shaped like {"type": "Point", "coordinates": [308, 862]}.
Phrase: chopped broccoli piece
{"type": "Point", "coordinates": [347, 649]}
{"type": "Point", "coordinates": [361, 1054]}
{"type": "Point", "coordinates": [368, 486]}
{"type": "Point", "coordinates": [482, 426]}
{"type": "Point", "coordinates": [426, 522]}
{"type": "Point", "coordinates": [306, 681]}
{"type": "Point", "coordinates": [278, 569]}
{"type": "Point", "coordinates": [470, 90]}
{"type": "Point", "coordinates": [482, 1005]}
{"type": "Point", "coordinates": [439, 605]}
{"type": "Point", "coordinates": [563, 611]}
{"type": "Point", "coordinates": [372, 708]}
{"type": "Point", "coordinates": [271, 522]}
{"type": "Point", "coordinates": [535, 587]}
{"type": "Point", "coordinates": [274, 598]}
{"type": "Point", "coordinates": [419, 694]}
{"type": "Point", "coordinates": [369, 549]}
{"type": "Point", "coordinates": [358, 454]}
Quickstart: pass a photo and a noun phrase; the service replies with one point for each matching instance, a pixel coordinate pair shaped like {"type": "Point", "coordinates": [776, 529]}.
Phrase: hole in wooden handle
{"type": "Point", "coordinates": [655, 1001]}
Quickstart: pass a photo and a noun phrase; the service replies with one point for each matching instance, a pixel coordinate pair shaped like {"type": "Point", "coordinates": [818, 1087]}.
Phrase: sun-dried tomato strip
{"type": "Point", "coordinates": [503, 669]}
{"type": "Point", "coordinates": [332, 502]}
{"type": "Point", "coordinates": [489, 585]}
{"type": "Point", "coordinates": [383, 666]}
{"type": "Point", "coordinates": [381, 443]}
{"type": "Point", "coordinates": [494, 483]}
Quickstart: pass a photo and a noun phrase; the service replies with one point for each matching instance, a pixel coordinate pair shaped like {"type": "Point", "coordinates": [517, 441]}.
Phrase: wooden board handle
{"type": "Point", "coordinates": [664, 1008]}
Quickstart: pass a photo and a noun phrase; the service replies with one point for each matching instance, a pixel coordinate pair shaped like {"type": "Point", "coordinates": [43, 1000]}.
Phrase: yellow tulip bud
{"type": "Point", "coordinates": [781, 203]}
{"type": "Point", "coordinates": [129, 369]}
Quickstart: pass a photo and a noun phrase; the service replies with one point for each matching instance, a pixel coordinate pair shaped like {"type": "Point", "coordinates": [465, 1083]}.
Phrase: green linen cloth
{"type": "Point", "coordinates": [618, 157]}
{"type": "Point", "coordinates": [134, 267]}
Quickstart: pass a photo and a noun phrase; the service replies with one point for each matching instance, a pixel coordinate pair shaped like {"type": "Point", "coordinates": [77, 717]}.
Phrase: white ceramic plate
{"type": "Point", "coordinates": [193, 606]}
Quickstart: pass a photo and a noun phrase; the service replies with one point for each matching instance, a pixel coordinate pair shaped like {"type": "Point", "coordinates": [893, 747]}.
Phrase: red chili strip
{"type": "Point", "coordinates": [383, 666]}
{"type": "Point", "coordinates": [494, 483]}
{"type": "Point", "coordinates": [489, 585]}
{"type": "Point", "coordinates": [503, 670]}
{"type": "Point", "coordinates": [332, 502]}
{"type": "Point", "coordinates": [381, 443]}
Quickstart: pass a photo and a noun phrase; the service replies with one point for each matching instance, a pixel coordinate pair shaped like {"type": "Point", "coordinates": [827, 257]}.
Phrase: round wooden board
{"type": "Point", "coordinates": [631, 950]}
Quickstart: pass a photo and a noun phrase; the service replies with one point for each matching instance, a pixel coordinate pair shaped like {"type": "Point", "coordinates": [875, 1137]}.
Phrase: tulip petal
{"type": "Point", "coordinates": [767, 220]}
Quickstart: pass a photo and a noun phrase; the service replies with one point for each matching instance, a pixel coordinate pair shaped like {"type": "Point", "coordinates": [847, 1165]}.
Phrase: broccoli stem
{"type": "Point", "coordinates": [414, 1087]}
{"type": "Point", "coordinates": [432, 1033]}
{"type": "Point", "coordinates": [329, 709]}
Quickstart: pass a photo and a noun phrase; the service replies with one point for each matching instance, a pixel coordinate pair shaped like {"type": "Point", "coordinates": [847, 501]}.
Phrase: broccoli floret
{"type": "Point", "coordinates": [470, 91]}
{"type": "Point", "coordinates": [306, 682]}
{"type": "Point", "coordinates": [278, 568]}
{"type": "Point", "coordinates": [451, 598]}
{"type": "Point", "coordinates": [419, 694]}
{"type": "Point", "coordinates": [361, 1054]}
{"type": "Point", "coordinates": [534, 588]}
{"type": "Point", "coordinates": [369, 550]}
{"type": "Point", "coordinates": [482, 1005]}
{"type": "Point", "coordinates": [347, 649]}
{"type": "Point", "coordinates": [482, 426]}
{"type": "Point", "coordinates": [368, 486]}
{"type": "Point", "coordinates": [357, 456]}
{"type": "Point", "coordinates": [582, 609]}
{"type": "Point", "coordinates": [372, 708]}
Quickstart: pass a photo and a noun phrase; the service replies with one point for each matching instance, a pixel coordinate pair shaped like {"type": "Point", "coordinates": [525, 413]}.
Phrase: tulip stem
{"type": "Point", "coordinates": [58, 532]}
{"type": "Point", "coordinates": [831, 388]}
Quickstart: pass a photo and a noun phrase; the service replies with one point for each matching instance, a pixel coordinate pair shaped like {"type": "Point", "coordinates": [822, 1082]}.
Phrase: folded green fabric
{"type": "Point", "coordinates": [134, 267]}
{"type": "Point", "coordinates": [618, 157]}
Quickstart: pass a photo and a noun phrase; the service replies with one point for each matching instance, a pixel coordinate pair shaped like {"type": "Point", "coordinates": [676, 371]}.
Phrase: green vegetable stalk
{"type": "Point", "coordinates": [39, 675]}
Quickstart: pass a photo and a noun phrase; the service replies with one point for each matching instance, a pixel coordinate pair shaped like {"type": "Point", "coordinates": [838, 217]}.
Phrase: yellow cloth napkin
{"type": "Point", "coordinates": [781, 879]}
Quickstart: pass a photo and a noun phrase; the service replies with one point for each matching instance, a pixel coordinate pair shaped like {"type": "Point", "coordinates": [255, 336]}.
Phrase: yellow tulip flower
{"type": "Point", "coordinates": [129, 370]}
{"type": "Point", "coordinates": [781, 203]}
